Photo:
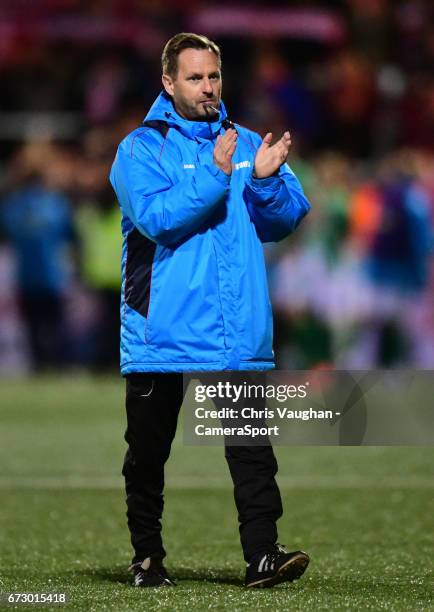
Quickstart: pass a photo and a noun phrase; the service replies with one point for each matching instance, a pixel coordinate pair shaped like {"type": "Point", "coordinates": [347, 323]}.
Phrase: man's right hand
{"type": "Point", "coordinates": [224, 149]}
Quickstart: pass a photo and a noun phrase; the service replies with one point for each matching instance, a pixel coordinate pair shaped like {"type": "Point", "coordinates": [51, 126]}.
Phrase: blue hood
{"type": "Point", "coordinates": [164, 110]}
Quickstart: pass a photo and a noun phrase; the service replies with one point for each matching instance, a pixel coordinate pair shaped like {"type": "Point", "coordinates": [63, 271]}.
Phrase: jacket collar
{"type": "Point", "coordinates": [163, 110]}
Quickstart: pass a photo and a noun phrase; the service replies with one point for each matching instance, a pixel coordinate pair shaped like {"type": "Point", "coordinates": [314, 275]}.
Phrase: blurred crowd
{"type": "Point", "coordinates": [352, 80]}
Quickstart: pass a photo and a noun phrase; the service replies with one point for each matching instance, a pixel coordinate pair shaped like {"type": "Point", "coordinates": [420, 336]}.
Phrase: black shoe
{"type": "Point", "coordinates": [275, 566]}
{"type": "Point", "coordinates": [150, 573]}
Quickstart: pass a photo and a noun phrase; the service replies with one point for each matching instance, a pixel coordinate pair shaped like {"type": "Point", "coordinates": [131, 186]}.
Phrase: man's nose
{"type": "Point", "coordinates": [207, 86]}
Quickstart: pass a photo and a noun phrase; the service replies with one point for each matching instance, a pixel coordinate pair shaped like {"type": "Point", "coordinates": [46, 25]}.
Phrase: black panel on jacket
{"type": "Point", "coordinates": [140, 255]}
{"type": "Point", "coordinates": [159, 125]}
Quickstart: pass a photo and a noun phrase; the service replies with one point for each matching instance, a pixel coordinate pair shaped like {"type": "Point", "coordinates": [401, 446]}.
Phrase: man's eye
{"type": "Point", "coordinates": [215, 77]}
{"type": "Point", "coordinates": [194, 78]}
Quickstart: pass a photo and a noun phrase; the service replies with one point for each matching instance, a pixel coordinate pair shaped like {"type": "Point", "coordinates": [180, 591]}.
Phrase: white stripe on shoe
{"type": "Point", "coordinates": [261, 564]}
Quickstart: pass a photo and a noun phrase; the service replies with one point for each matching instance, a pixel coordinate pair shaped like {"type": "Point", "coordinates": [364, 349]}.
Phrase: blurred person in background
{"type": "Point", "coordinates": [98, 221]}
{"type": "Point", "coordinates": [276, 96]}
{"type": "Point", "coordinates": [36, 219]}
{"type": "Point", "coordinates": [311, 279]}
{"type": "Point", "coordinates": [350, 101]}
{"type": "Point", "coordinates": [198, 195]}
{"type": "Point", "coordinates": [398, 249]}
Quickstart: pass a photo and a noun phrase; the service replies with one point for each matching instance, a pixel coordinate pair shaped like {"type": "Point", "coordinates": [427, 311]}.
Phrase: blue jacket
{"type": "Point", "coordinates": [38, 223]}
{"type": "Point", "coordinates": [194, 286]}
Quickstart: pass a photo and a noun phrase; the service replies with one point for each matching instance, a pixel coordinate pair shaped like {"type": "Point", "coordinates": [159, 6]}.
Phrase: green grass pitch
{"type": "Point", "coordinates": [365, 515]}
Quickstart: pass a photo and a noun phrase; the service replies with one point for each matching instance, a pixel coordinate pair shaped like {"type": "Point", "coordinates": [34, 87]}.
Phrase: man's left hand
{"type": "Point", "coordinates": [270, 157]}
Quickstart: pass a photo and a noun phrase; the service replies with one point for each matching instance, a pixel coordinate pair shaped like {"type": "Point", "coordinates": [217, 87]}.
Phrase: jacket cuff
{"type": "Point", "coordinates": [269, 181]}
{"type": "Point", "coordinates": [218, 174]}
{"type": "Point", "coordinates": [264, 190]}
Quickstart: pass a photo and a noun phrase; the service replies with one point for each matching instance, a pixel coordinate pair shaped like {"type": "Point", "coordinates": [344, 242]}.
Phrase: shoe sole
{"type": "Point", "coordinates": [292, 570]}
{"type": "Point", "coordinates": [162, 585]}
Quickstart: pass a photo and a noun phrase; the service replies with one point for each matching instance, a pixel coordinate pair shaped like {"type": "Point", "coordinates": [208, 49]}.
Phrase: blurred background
{"type": "Point", "coordinates": [352, 80]}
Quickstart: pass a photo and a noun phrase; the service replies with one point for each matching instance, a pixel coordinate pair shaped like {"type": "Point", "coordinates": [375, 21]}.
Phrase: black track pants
{"type": "Point", "coordinates": [153, 402]}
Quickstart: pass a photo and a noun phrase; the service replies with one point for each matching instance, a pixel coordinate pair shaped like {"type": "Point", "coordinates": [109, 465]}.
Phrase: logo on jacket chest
{"type": "Point", "coordinates": [237, 166]}
{"type": "Point", "coordinates": [241, 164]}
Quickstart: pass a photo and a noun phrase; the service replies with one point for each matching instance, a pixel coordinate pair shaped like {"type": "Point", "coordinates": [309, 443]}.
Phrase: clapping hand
{"type": "Point", "coordinates": [270, 157]}
{"type": "Point", "coordinates": [224, 149]}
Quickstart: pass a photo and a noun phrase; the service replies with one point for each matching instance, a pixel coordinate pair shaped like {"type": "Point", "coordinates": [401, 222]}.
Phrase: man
{"type": "Point", "coordinates": [36, 217]}
{"type": "Point", "coordinates": [198, 196]}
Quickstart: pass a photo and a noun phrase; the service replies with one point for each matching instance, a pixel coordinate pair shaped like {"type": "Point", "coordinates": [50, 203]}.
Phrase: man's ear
{"type": "Point", "coordinates": [167, 84]}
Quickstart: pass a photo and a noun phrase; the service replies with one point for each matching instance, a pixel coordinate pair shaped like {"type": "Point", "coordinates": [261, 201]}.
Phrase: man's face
{"type": "Point", "coordinates": [197, 86]}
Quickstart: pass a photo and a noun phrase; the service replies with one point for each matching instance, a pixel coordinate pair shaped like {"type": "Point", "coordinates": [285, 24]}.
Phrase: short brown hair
{"type": "Point", "coordinates": [179, 42]}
